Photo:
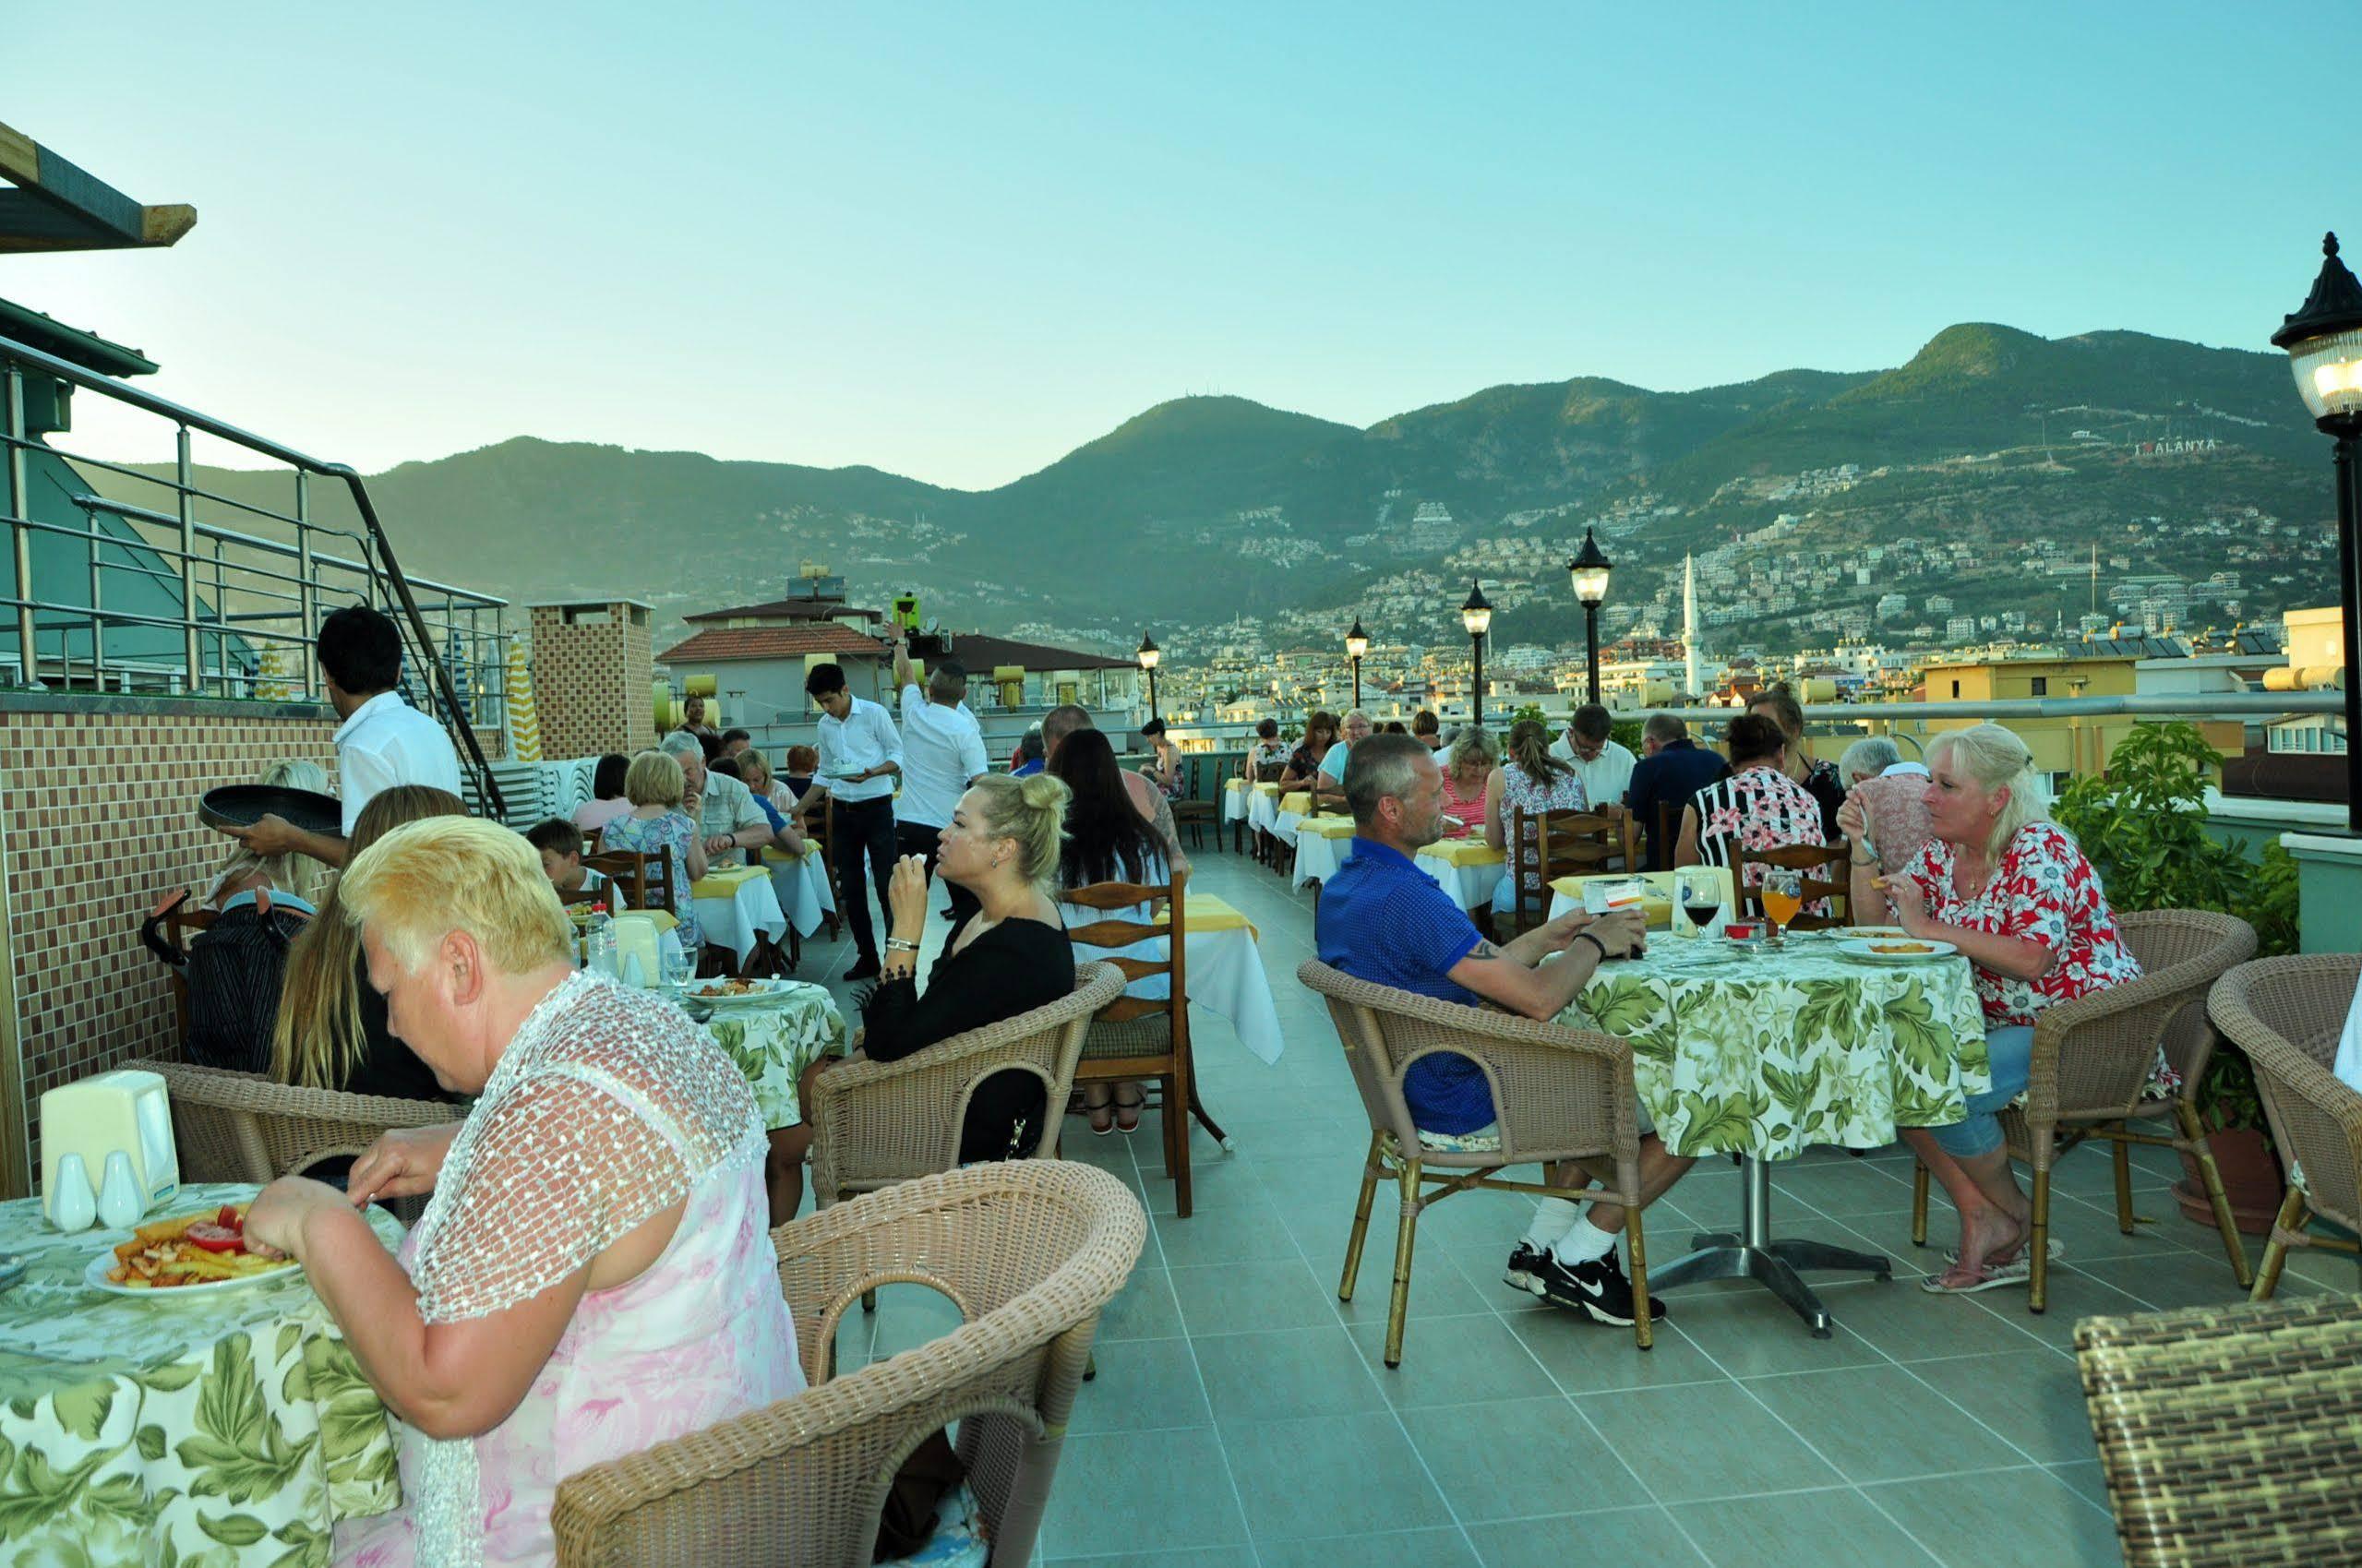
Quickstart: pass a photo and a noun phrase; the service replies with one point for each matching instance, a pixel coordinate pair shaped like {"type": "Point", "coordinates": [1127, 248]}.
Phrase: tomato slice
{"type": "Point", "coordinates": [214, 1238]}
{"type": "Point", "coordinates": [229, 1219]}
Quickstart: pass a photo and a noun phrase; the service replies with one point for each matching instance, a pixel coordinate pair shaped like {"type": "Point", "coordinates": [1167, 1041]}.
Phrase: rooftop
{"type": "Point", "coordinates": [1242, 1414]}
{"type": "Point", "coordinates": [724, 645]}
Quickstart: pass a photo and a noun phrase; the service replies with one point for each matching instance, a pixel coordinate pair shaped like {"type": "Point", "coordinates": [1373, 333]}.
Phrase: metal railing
{"type": "Point", "coordinates": [151, 598]}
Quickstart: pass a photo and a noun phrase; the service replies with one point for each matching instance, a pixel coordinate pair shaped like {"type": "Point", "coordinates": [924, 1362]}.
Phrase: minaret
{"type": "Point", "coordinates": [1689, 624]}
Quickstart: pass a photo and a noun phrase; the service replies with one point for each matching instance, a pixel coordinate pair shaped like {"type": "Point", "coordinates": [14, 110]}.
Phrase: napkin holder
{"type": "Point", "coordinates": [637, 955]}
{"type": "Point", "coordinates": [124, 1112]}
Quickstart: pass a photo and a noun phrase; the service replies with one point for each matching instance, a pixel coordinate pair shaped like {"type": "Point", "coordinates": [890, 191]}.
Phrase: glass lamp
{"type": "Point", "coordinates": [1477, 614]}
{"type": "Point", "coordinates": [1149, 654]}
{"type": "Point", "coordinates": [1590, 569]}
{"type": "Point", "coordinates": [1357, 642]}
{"type": "Point", "coordinates": [2324, 341]}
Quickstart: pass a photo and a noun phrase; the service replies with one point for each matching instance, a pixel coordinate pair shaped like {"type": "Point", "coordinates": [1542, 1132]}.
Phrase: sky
{"type": "Point", "coordinates": [957, 241]}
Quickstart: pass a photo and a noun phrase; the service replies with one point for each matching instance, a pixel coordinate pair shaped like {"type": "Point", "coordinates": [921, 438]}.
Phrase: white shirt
{"type": "Point", "coordinates": [388, 742]}
{"type": "Point", "coordinates": [943, 749]}
{"type": "Point", "coordinates": [1605, 777]}
{"type": "Point", "coordinates": [864, 737]}
{"type": "Point", "coordinates": [1917, 768]}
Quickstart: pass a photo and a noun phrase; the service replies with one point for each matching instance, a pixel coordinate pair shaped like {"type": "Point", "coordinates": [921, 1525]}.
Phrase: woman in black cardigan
{"type": "Point", "coordinates": [1009, 957]}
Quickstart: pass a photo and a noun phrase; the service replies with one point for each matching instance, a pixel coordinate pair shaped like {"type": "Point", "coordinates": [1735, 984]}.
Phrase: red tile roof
{"type": "Point", "coordinates": [726, 644]}
{"type": "Point", "coordinates": [786, 609]}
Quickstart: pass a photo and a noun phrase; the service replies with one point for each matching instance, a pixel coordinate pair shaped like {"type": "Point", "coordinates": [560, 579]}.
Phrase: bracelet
{"type": "Point", "coordinates": [895, 944]}
{"type": "Point", "coordinates": [1600, 947]}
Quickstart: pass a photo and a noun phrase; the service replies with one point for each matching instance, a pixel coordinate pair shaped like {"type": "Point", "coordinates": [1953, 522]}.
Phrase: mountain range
{"type": "Point", "coordinates": [1206, 507]}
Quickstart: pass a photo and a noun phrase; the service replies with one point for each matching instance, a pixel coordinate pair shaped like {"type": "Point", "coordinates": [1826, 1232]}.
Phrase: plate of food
{"type": "Point", "coordinates": [720, 992]}
{"type": "Point", "coordinates": [193, 1254]}
{"type": "Point", "coordinates": [1875, 933]}
{"type": "Point", "coordinates": [1897, 949]}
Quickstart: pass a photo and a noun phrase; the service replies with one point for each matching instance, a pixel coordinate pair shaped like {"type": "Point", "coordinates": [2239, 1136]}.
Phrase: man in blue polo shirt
{"type": "Point", "coordinates": [1383, 919]}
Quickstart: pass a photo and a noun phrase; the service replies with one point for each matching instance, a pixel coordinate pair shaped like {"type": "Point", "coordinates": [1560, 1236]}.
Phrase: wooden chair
{"type": "Point", "coordinates": [179, 921]}
{"type": "Point", "coordinates": [1561, 1094]}
{"type": "Point", "coordinates": [1826, 877]}
{"type": "Point", "coordinates": [2287, 1015]}
{"type": "Point", "coordinates": [1135, 1038]}
{"type": "Point", "coordinates": [1030, 1251]}
{"type": "Point", "coordinates": [246, 1127]}
{"type": "Point", "coordinates": [877, 1123]}
{"type": "Point", "coordinates": [826, 833]}
{"type": "Point", "coordinates": [1199, 803]}
{"type": "Point", "coordinates": [1563, 844]}
{"type": "Point", "coordinates": [2091, 1063]}
{"type": "Point", "coordinates": [2229, 1436]}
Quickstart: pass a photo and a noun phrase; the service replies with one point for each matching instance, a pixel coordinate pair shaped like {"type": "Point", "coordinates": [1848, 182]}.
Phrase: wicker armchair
{"type": "Point", "coordinates": [2287, 1014]}
{"type": "Point", "coordinates": [1561, 1094]}
{"type": "Point", "coordinates": [1031, 1252]}
{"type": "Point", "coordinates": [875, 1123]}
{"type": "Point", "coordinates": [245, 1127]}
{"type": "Point", "coordinates": [2230, 1436]}
{"type": "Point", "coordinates": [2091, 1064]}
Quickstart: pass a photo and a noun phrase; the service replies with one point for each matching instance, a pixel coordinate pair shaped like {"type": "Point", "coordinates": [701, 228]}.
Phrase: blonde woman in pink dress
{"type": "Point", "coordinates": [591, 1275]}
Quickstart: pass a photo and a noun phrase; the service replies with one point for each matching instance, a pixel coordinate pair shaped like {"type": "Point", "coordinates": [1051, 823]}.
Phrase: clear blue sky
{"type": "Point", "coordinates": [956, 240]}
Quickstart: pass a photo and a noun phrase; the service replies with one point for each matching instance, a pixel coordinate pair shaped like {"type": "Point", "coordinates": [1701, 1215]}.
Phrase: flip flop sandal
{"type": "Point", "coordinates": [2017, 1270]}
{"type": "Point", "coordinates": [2056, 1250]}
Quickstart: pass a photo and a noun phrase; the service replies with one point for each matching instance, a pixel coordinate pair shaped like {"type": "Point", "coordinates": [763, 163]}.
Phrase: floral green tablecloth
{"type": "Point", "coordinates": [1767, 1054]}
{"type": "Point", "coordinates": [226, 1430]}
{"type": "Point", "coordinates": [773, 1041]}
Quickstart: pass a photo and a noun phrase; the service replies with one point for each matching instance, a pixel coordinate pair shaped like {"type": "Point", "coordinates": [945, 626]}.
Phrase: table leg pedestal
{"type": "Point", "coordinates": [1752, 1253]}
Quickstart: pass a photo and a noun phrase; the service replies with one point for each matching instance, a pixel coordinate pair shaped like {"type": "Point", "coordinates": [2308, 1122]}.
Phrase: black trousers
{"type": "Point", "coordinates": [864, 843]}
{"type": "Point", "coordinates": [917, 838]}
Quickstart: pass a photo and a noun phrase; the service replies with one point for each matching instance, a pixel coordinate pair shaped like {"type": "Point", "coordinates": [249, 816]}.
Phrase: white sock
{"type": "Point", "coordinates": [1552, 1216]}
{"type": "Point", "coordinates": [1584, 1242]}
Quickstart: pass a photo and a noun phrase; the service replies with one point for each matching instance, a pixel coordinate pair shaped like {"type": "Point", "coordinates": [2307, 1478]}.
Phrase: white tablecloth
{"type": "Point", "coordinates": [1470, 886]}
{"type": "Point", "coordinates": [802, 888]}
{"type": "Point", "coordinates": [1263, 811]}
{"type": "Point", "coordinates": [1284, 826]}
{"type": "Point", "coordinates": [1234, 802]}
{"type": "Point", "coordinates": [734, 922]}
{"type": "Point", "coordinates": [1226, 976]}
{"type": "Point", "coordinates": [1317, 859]}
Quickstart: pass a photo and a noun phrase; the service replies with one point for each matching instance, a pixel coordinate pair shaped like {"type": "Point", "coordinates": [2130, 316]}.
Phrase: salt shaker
{"type": "Point", "coordinates": [120, 1201]}
{"type": "Point", "coordinates": [72, 1205]}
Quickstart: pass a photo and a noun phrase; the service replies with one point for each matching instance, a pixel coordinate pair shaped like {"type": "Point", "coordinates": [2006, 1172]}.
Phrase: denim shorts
{"type": "Point", "coordinates": [2011, 1050]}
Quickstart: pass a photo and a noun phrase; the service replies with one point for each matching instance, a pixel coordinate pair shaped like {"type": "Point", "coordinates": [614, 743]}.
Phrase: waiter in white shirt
{"type": "Point", "coordinates": [860, 760]}
{"type": "Point", "coordinates": [943, 754]}
{"type": "Point", "coordinates": [1604, 767]}
{"type": "Point", "coordinates": [382, 742]}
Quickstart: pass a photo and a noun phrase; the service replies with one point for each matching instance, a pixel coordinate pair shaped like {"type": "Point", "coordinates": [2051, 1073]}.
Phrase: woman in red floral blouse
{"type": "Point", "coordinates": [2005, 885]}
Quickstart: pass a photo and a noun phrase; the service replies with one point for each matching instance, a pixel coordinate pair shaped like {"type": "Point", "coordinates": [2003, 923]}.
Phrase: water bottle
{"type": "Point", "coordinates": [601, 942]}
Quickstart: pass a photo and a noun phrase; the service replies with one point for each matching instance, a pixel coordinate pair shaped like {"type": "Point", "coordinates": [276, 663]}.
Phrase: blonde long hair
{"type": "Point", "coordinates": [1998, 760]}
{"type": "Point", "coordinates": [318, 1040]}
{"type": "Point", "coordinates": [1530, 749]}
{"type": "Point", "coordinates": [297, 874]}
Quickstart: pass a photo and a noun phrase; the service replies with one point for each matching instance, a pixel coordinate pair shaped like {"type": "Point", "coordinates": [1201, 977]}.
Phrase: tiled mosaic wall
{"type": "Point", "coordinates": [590, 680]}
{"type": "Point", "coordinates": [98, 806]}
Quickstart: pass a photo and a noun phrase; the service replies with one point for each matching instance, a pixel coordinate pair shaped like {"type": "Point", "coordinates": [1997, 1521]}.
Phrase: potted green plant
{"type": "Point", "coordinates": [2143, 825]}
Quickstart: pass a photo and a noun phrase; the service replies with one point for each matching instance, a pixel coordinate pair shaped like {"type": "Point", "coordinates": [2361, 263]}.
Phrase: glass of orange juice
{"type": "Point", "coordinates": [1783, 897]}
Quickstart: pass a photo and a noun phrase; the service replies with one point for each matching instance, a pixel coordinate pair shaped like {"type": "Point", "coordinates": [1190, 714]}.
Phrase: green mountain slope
{"type": "Point", "coordinates": [1202, 507]}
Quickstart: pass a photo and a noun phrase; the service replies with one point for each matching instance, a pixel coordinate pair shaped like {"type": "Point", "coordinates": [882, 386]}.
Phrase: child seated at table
{"type": "Point", "coordinates": [560, 844]}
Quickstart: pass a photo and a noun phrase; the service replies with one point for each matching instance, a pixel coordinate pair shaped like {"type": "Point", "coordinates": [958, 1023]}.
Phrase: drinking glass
{"type": "Point", "coordinates": [1701, 899]}
{"type": "Point", "coordinates": [1783, 898]}
{"type": "Point", "coordinates": [677, 969]}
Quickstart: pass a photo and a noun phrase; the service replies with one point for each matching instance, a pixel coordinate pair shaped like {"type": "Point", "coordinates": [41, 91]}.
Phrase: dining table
{"type": "Point", "coordinates": [1466, 868]}
{"type": "Point", "coordinates": [738, 908]}
{"type": "Point", "coordinates": [1744, 1049]}
{"type": "Point", "coordinates": [800, 882]}
{"type": "Point", "coordinates": [1226, 974]}
{"type": "Point", "coordinates": [228, 1426]}
{"type": "Point", "coordinates": [773, 1034]}
{"type": "Point", "coordinates": [1322, 846]}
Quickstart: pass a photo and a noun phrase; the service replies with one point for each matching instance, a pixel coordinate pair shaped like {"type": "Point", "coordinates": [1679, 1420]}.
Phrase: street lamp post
{"type": "Point", "coordinates": [1149, 659]}
{"type": "Point", "coordinates": [1357, 646]}
{"type": "Point", "coordinates": [2324, 345]}
{"type": "Point", "coordinates": [1590, 569]}
{"type": "Point", "coordinates": [1477, 616]}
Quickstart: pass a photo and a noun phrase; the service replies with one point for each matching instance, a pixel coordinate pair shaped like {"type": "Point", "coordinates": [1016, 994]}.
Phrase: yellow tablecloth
{"type": "Point", "coordinates": [1237, 786]}
{"type": "Point", "coordinates": [724, 882]}
{"type": "Point", "coordinates": [1297, 800]}
{"type": "Point", "coordinates": [1327, 827]}
{"type": "Point", "coordinates": [1267, 786]}
{"type": "Point", "coordinates": [1204, 912]}
{"type": "Point", "coordinates": [1464, 852]}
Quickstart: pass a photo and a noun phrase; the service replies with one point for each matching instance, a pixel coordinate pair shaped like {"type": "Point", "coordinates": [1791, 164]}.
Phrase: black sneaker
{"type": "Point", "coordinates": [1598, 1287]}
{"type": "Point", "coordinates": [867, 969]}
{"type": "Point", "coordinates": [1524, 1267]}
